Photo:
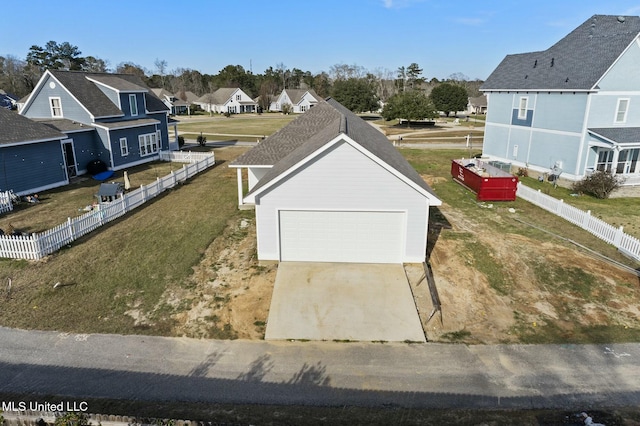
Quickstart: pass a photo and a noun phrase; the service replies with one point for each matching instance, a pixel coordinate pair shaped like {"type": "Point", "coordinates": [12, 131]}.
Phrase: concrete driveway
{"type": "Point", "coordinates": [343, 301]}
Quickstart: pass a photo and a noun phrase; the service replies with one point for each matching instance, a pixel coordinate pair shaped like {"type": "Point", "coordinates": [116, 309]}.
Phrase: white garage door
{"type": "Point", "coordinates": [340, 236]}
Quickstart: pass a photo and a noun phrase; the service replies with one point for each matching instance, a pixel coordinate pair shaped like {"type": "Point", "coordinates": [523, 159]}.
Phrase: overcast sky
{"type": "Point", "coordinates": [442, 36]}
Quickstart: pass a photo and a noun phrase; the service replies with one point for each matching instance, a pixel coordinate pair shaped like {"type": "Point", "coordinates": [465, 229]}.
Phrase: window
{"type": "Point", "coordinates": [238, 97]}
{"type": "Point", "coordinates": [124, 148]}
{"type": "Point", "coordinates": [148, 144]}
{"type": "Point", "coordinates": [522, 109]}
{"type": "Point", "coordinates": [133, 105]}
{"type": "Point", "coordinates": [621, 110]}
{"type": "Point", "coordinates": [303, 108]}
{"type": "Point", "coordinates": [56, 107]}
{"type": "Point", "coordinates": [605, 160]}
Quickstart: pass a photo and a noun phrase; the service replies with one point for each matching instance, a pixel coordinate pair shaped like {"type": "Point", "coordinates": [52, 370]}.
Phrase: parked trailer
{"type": "Point", "coordinates": [488, 182]}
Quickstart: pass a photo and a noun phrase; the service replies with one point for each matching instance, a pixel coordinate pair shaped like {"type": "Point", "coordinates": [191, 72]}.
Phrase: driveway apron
{"type": "Point", "coordinates": [343, 301]}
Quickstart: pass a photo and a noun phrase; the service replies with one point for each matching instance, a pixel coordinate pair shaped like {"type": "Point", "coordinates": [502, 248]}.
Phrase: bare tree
{"type": "Point", "coordinates": [161, 67]}
{"type": "Point", "coordinates": [345, 72]}
{"type": "Point", "coordinates": [284, 73]}
{"type": "Point", "coordinates": [384, 82]}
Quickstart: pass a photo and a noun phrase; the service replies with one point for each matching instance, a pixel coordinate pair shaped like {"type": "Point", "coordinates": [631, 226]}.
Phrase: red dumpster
{"type": "Point", "coordinates": [488, 182]}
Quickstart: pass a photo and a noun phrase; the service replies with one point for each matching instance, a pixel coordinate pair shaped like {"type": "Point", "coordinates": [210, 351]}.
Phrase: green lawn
{"type": "Point", "coordinates": [127, 263]}
{"type": "Point", "coordinates": [130, 262]}
{"type": "Point", "coordinates": [623, 212]}
{"type": "Point", "coordinates": [239, 124]}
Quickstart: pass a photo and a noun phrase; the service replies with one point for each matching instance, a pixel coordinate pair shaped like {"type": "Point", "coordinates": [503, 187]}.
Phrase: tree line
{"type": "Point", "coordinates": [354, 86]}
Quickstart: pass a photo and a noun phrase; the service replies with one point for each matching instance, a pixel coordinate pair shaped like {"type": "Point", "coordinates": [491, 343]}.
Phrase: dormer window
{"type": "Point", "coordinates": [56, 107]}
{"type": "Point", "coordinates": [621, 110]}
{"type": "Point", "coordinates": [133, 105]}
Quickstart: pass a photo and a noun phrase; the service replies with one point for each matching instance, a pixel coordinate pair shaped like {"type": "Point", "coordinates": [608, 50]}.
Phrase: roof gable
{"type": "Point", "coordinates": [87, 93]}
{"type": "Point", "coordinates": [324, 125]}
{"type": "Point", "coordinates": [576, 62]}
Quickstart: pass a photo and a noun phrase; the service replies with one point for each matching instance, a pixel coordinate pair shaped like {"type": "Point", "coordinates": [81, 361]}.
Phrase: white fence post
{"type": "Point", "coordinates": [585, 219]}
{"type": "Point", "coordinates": [70, 227]}
{"type": "Point", "coordinates": [617, 239]}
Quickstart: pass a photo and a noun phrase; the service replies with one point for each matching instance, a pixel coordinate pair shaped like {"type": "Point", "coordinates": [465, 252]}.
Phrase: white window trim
{"type": "Point", "coordinates": [626, 111]}
{"type": "Point", "coordinates": [51, 99]}
{"type": "Point", "coordinates": [522, 112]}
{"type": "Point", "coordinates": [133, 100]}
{"type": "Point", "coordinates": [124, 148]}
{"type": "Point", "coordinates": [148, 144]}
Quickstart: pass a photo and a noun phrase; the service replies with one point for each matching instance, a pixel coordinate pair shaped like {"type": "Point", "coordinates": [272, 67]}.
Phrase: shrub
{"type": "Point", "coordinates": [202, 140]}
{"type": "Point", "coordinates": [523, 172]}
{"type": "Point", "coordinates": [180, 141]}
{"type": "Point", "coordinates": [600, 184]}
{"type": "Point", "coordinates": [287, 109]}
{"type": "Point", "coordinates": [227, 114]}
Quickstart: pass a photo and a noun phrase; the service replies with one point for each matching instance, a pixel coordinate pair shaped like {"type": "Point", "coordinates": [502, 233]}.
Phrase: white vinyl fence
{"type": "Point", "coordinates": [623, 242]}
{"type": "Point", "coordinates": [5, 202]}
{"type": "Point", "coordinates": [38, 245]}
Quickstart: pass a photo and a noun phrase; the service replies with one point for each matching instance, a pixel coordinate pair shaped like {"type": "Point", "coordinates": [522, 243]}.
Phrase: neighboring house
{"type": "Point", "coordinates": [328, 187]}
{"type": "Point", "coordinates": [231, 100]}
{"type": "Point", "coordinates": [301, 100]}
{"type": "Point", "coordinates": [31, 155]}
{"type": "Point", "coordinates": [477, 105]}
{"type": "Point", "coordinates": [7, 100]}
{"type": "Point", "coordinates": [114, 118]}
{"type": "Point", "coordinates": [175, 104]}
{"type": "Point", "coordinates": [574, 107]}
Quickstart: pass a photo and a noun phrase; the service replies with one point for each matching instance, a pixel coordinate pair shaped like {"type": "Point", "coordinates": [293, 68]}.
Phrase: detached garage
{"type": "Point", "coordinates": [333, 189]}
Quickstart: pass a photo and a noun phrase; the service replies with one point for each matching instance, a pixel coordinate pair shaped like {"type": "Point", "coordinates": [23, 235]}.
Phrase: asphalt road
{"type": "Point", "coordinates": [319, 373]}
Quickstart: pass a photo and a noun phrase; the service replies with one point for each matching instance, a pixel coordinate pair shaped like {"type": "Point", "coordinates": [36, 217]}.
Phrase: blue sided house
{"type": "Point", "coordinates": [31, 158]}
{"type": "Point", "coordinates": [111, 118]}
{"type": "Point", "coordinates": [573, 108]}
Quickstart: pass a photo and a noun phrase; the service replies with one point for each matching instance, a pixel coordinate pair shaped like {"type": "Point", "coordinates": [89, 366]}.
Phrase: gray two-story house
{"type": "Point", "coordinates": [574, 107]}
{"type": "Point", "coordinates": [114, 118]}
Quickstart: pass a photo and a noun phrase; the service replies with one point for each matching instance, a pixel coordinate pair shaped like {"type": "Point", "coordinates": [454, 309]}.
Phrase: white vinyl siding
{"type": "Point", "coordinates": [148, 144]}
{"type": "Point", "coordinates": [621, 110]}
{"type": "Point", "coordinates": [344, 180]}
{"type": "Point", "coordinates": [56, 107]}
{"type": "Point", "coordinates": [124, 148]}
{"type": "Point", "coordinates": [133, 105]}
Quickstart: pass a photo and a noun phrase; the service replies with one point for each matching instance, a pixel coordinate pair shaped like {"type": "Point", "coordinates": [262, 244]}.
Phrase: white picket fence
{"type": "Point", "coordinates": [5, 202]}
{"type": "Point", "coordinates": [38, 245]}
{"type": "Point", "coordinates": [625, 243]}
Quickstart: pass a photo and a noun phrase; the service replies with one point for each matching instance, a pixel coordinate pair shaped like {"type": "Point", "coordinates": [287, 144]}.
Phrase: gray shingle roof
{"type": "Point", "coordinates": [620, 135]}
{"type": "Point", "coordinates": [98, 104]}
{"type": "Point", "coordinates": [17, 128]}
{"type": "Point", "coordinates": [120, 82]}
{"type": "Point", "coordinates": [218, 97]}
{"type": "Point", "coordinates": [296, 94]}
{"type": "Point", "coordinates": [87, 93]}
{"type": "Point", "coordinates": [309, 132]}
{"type": "Point", "coordinates": [123, 124]}
{"type": "Point", "coordinates": [63, 124]}
{"type": "Point", "coordinates": [576, 62]}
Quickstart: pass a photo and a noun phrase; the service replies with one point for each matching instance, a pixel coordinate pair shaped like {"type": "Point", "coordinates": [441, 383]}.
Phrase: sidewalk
{"type": "Point", "coordinates": [319, 373]}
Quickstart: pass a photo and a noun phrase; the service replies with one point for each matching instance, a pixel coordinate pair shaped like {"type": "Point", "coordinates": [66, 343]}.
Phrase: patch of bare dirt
{"type": "Point", "coordinates": [229, 293]}
{"type": "Point", "coordinates": [474, 311]}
